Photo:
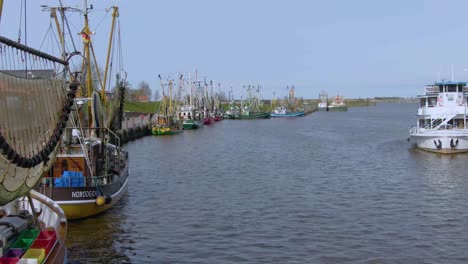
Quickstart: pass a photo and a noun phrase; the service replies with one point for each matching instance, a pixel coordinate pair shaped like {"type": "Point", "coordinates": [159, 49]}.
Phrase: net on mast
{"type": "Point", "coordinates": [35, 103]}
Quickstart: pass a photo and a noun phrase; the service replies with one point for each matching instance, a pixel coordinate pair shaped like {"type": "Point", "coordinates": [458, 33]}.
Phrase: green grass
{"type": "Point", "coordinates": [141, 107]}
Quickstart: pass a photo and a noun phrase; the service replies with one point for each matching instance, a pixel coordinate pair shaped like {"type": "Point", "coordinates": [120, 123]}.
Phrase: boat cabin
{"type": "Point", "coordinates": [447, 93]}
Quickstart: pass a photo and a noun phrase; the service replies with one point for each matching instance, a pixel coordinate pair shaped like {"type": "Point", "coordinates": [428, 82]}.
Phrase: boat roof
{"type": "Point", "coordinates": [450, 82]}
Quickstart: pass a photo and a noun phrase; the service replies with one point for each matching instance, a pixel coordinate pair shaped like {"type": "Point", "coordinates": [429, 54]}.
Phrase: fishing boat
{"type": "Point", "coordinates": [247, 113]}
{"type": "Point", "coordinates": [218, 117]}
{"type": "Point", "coordinates": [209, 118]}
{"type": "Point", "coordinates": [441, 124]}
{"type": "Point", "coordinates": [166, 123]}
{"type": "Point", "coordinates": [35, 100]}
{"type": "Point", "coordinates": [233, 111]}
{"type": "Point", "coordinates": [323, 101]}
{"type": "Point", "coordinates": [191, 118]}
{"type": "Point", "coordinates": [90, 172]}
{"type": "Point", "coordinates": [289, 107]}
{"type": "Point", "coordinates": [282, 111]}
{"type": "Point", "coordinates": [338, 104]}
{"type": "Point", "coordinates": [251, 108]}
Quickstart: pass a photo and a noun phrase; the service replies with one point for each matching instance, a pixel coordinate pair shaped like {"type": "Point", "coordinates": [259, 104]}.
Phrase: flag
{"type": "Point", "coordinates": [86, 38]}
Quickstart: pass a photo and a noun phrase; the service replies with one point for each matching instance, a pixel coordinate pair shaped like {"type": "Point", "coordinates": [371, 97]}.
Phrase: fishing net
{"type": "Point", "coordinates": [35, 103]}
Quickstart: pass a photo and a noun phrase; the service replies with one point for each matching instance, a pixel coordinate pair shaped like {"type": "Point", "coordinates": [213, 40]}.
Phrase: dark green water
{"type": "Point", "coordinates": [325, 188]}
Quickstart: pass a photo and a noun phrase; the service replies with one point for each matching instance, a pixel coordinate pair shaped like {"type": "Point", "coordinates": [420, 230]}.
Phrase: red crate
{"type": "Point", "coordinates": [45, 244]}
{"type": "Point", "coordinates": [48, 234]}
{"type": "Point", "coordinates": [9, 260]}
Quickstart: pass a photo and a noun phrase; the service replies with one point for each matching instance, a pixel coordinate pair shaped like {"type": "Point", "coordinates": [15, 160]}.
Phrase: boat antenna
{"type": "Point", "coordinates": [452, 72]}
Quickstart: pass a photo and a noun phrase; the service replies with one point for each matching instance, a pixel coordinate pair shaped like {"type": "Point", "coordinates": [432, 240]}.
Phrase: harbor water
{"type": "Point", "coordinates": [343, 187]}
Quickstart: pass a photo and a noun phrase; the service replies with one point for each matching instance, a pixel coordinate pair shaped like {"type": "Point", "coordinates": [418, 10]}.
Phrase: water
{"type": "Point", "coordinates": [326, 188]}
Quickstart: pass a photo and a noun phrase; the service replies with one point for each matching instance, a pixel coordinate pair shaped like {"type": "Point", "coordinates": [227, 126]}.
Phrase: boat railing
{"type": "Point", "coordinates": [49, 183]}
{"type": "Point", "coordinates": [115, 139]}
{"type": "Point", "coordinates": [414, 129]}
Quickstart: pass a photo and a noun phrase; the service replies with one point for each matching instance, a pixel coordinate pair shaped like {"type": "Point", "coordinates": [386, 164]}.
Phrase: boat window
{"type": "Point", "coordinates": [432, 101]}
{"type": "Point", "coordinates": [422, 102]}
{"type": "Point", "coordinates": [460, 88]}
{"type": "Point", "coordinates": [451, 88]}
{"type": "Point", "coordinates": [441, 88]}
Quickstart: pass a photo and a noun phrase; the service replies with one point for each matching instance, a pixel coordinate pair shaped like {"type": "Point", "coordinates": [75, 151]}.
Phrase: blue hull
{"type": "Point", "coordinates": [293, 114]}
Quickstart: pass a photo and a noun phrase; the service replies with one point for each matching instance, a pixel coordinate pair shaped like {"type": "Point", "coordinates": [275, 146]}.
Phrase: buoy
{"type": "Point", "coordinates": [100, 200]}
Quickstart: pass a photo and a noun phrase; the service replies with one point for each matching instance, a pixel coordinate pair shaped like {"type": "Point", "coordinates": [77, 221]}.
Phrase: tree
{"type": "Point", "coordinates": [144, 89]}
{"type": "Point", "coordinates": [222, 96]}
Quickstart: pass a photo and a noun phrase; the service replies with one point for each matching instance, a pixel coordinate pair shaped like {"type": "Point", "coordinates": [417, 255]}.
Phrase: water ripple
{"type": "Point", "coordinates": [326, 188]}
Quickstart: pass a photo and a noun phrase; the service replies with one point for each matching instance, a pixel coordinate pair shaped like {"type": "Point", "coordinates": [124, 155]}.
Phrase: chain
{"type": "Point", "coordinates": [62, 12]}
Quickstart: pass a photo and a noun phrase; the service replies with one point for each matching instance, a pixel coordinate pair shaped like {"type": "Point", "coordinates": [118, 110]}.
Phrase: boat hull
{"type": "Point", "coordinates": [338, 108]}
{"type": "Point", "coordinates": [441, 141]}
{"type": "Point", "coordinates": [191, 124]}
{"type": "Point", "coordinates": [81, 202]}
{"type": "Point", "coordinates": [292, 114]}
{"type": "Point", "coordinates": [85, 208]}
{"type": "Point", "coordinates": [256, 116]}
{"type": "Point", "coordinates": [165, 132]}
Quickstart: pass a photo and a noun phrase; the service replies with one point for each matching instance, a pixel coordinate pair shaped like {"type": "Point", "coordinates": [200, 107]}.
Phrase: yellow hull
{"type": "Point", "coordinates": [85, 208]}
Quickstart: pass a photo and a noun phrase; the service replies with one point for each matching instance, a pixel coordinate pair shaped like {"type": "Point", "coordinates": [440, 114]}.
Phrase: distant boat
{"type": "Point", "coordinates": [323, 101]}
{"type": "Point", "coordinates": [251, 109]}
{"type": "Point", "coordinates": [191, 119]}
{"type": "Point", "coordinates": [248, 114]}
{"type": "Point", "coordinates": [442, 118]}
{"type": "Point", "coordinates": [166, 123]}
{"type": "Point", "coordinates": [233, 112]}
{"type": "Point", "coordinates": [338, 105]}
{"type": "Point", "coordinates": [282, 111]}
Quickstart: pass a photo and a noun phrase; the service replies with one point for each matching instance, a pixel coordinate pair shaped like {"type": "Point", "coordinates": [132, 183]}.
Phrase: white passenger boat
{"type": "Point", "coordinates": [441, 119]}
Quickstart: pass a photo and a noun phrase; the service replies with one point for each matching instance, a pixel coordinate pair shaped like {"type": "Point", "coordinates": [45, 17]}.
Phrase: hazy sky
{"type": "Point", "coordinates": [361, 48]}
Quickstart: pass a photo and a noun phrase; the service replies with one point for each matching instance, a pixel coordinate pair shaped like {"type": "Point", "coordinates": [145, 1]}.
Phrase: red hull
{"type": "Point", "coordinates": [207, 121]}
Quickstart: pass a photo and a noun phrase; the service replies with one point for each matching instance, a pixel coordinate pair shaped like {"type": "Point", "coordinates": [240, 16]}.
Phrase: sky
{"type": "Point", "coordinates": [359, 49]}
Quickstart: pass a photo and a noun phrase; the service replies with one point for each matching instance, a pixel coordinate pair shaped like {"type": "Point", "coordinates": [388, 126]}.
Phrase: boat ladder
{"type": "Point", "coordinates": [442, 120]}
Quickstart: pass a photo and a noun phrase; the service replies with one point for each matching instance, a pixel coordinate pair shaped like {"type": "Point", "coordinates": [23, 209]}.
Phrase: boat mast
{"type": "Point", "coordinates": [191, 89]}
{"type": "Point", "coordinates": [86, 42]}
{"type": "Point", "coordinates": [1, 9]}
{"type": "Point", "coordinates": [114, 15]}
{"type": "Point", "coordinates": [170, 97]}
{"type": "Point", "coordinates": [53, 14]}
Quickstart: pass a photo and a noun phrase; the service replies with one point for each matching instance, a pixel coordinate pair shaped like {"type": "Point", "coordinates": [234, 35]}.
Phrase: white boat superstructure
{"type": "Point", "coordinates": [441, 119]}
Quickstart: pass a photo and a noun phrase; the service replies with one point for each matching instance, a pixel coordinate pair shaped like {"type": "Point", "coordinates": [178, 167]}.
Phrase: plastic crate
{"type": "Point", "coordinates": [46, 244]}
{"type": "Point", "coordinates": [23, 243]}
{"type": "Point", "coordinates": [35, 253]}
{"type": "Point", "coordinates": [30, 234]}
{"type": "Point", "coordinates": [47, 234]}
{"type": "Point", "coordinates": [9, 260]}
{"type": "Point", "coordinates": [14, 253]}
